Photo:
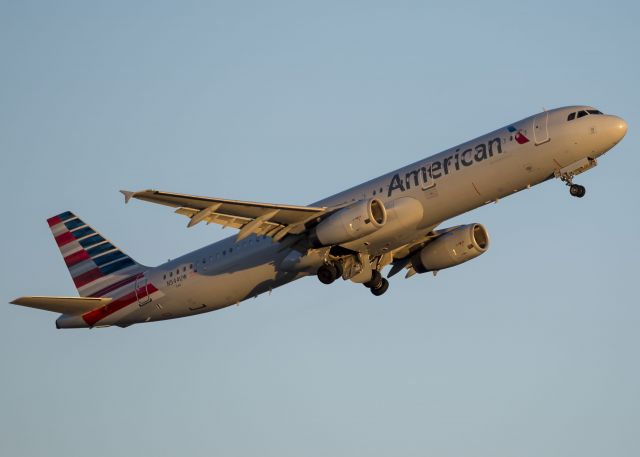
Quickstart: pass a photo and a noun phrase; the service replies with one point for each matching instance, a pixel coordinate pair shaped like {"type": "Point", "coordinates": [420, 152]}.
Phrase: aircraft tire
{"type": "Point", "coordinates": [375, 281]}
{"type": "Point", "coordinates": [384, 286]}
{"type": "Point", "coordinates": [327, 273]}
{"type": "Point", "coordinates": [576, 190]}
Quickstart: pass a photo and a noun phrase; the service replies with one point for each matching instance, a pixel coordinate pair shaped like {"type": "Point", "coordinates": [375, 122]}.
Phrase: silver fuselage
{"type": "Point", "coordinates": [439, 187]}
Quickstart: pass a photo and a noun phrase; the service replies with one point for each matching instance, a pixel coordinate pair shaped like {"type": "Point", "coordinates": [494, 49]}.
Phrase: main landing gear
{"type": "Point", "coordinates": [377, 284]}
{"type": "Point", "coordinates": [329, 272]}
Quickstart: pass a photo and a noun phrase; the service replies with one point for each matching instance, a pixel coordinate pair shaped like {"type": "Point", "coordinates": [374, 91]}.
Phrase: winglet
{"type": "Point", "coordinates": [127, 195]}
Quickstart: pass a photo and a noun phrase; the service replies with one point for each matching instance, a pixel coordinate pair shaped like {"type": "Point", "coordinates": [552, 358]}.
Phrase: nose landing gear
{"type": "Point", "coordinates": [576, 190]}
{"type": "Point", "coordinates": [567, 173]}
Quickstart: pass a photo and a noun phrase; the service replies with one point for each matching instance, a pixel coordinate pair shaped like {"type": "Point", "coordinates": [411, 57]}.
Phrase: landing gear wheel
{"type": "Point", "coordinates": [576, 190]}
{"type": "Point", "coordinates": [375, 281]}
{"type": "Point", "coordinates": [327, 273]}
{"type": "Point", "coordinates": [384, 285]}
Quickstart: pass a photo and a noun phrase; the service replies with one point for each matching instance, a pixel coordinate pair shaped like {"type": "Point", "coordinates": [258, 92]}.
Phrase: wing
{"type": "Point", "coordinates": [267, 219]}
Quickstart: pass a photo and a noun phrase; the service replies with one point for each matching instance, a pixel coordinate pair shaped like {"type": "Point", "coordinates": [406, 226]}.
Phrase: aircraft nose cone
{"type": "Point", "coordinates": [617, 128]}
{"type": "Point", "coordinates": [621, 127]}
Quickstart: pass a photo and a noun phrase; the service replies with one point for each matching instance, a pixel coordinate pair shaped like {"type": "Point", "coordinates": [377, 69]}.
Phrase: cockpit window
{"type": "Point", "coordinates": [582, 113]}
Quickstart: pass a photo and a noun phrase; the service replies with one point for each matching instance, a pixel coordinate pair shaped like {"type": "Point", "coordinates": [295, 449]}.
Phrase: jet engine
{"type": "Point", "coordinates": [350, 223]}
{"type": "Point", "coordinates": [452, 248]}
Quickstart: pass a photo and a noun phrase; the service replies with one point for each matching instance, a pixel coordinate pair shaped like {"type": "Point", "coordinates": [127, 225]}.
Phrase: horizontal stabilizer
{"type": "Point", "coordinates": [63, 305]}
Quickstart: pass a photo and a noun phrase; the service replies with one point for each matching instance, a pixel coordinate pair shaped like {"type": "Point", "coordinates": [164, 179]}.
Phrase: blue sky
{"type": "Point", "coordinates": [529, 350]}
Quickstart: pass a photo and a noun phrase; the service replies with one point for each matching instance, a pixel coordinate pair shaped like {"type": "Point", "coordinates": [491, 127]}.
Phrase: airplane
{"type": "Point", "coordinates": [390, 221]}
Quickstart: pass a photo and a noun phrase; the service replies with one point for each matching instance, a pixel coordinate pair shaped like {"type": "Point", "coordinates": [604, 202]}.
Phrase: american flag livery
{"type": "Point", "coordinates": [98, 268]}
{"type": "Point", "coordinates": [519, 136]}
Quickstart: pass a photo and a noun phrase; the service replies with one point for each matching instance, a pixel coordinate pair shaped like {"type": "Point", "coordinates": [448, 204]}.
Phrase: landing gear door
{"type": "Point", "coordinates": [142, 293]}
{"type": "Point", "coordinates": [541, 128]}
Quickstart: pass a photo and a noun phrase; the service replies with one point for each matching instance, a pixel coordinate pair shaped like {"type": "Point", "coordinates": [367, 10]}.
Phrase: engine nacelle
{"type": "Point", "coordinates": [350, 223]}
{"type": "Point", "coordinates": [451, 249]}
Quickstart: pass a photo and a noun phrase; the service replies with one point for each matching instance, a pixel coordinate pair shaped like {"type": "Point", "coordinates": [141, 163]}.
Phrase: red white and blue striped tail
{"type": "Point", "coordinates": [96, 266]}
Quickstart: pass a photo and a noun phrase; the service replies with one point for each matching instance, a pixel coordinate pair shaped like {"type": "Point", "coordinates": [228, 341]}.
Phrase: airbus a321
{"type": "Point", "coordinates": [391, 221]}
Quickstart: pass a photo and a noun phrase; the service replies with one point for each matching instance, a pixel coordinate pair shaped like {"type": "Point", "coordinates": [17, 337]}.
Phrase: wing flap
{"type": "Point", "coordinates": [62, 305]}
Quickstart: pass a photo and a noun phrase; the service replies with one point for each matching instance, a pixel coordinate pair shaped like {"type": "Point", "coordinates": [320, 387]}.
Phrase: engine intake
{"type": "Point", "coordinates": [350, 223]}
{"type": "Point", "coordinates": [453, 248]}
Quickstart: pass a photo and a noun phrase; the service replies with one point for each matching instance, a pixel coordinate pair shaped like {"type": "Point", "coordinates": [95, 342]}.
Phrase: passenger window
{"type": "Point", "coordinates": [582, 114]}
{"type": "Point", "coordinates": [571, 117]}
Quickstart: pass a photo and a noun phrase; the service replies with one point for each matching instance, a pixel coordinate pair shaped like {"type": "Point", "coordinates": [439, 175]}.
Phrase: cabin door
{"type": "Point", "coordinates": [541, 128]}
{"type": "Point", "coordinates": [142, 293]}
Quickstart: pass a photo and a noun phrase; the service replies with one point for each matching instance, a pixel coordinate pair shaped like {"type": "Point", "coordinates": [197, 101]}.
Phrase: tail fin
{"type": "Point", "coordinates": [96, 266]}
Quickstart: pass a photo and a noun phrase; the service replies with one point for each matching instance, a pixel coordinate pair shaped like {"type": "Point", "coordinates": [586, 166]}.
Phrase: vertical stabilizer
{"type": "Point", "coordinates": [95, 264]}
